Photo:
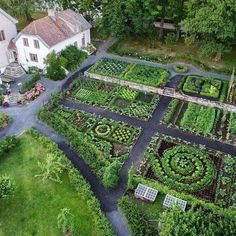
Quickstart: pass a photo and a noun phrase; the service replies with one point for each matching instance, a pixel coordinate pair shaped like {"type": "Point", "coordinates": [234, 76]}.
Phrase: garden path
{"type": "Point", "coordinates": [25, 117]}
{"type": "Point", "coordinates": [191, 71]}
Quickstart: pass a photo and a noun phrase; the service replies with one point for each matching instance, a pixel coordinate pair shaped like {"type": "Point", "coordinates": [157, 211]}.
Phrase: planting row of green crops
{"type": "Point", "coordinates": [178, 165]}
{"type": "Point", "coordinates": [205, 87]}
{"type": "Point", "coordinates": [142, 74]}
{"type": "Point", "coordinates": [208, 121]}
{"type": "Point", "coordinates": [103, 144]}
{"type": "Point", "coordinates": [113, 97]}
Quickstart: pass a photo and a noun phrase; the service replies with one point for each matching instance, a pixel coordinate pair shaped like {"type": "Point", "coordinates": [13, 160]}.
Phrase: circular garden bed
{"type": "Point", "coordinates": [184, 168]}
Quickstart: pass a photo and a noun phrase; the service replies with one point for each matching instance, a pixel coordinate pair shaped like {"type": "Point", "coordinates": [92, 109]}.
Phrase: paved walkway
{"type": "Point", "coordinates": [25, 117]}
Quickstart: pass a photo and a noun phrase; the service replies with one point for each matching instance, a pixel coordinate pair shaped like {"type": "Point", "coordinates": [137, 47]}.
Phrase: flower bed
{"type": "Point", "coordinates": [187, 168]}
{"type": "Point", "coordinates": [104, 144]}
{"type": "Point", "coordinates": [207, 121]}
{"type": "Point", "coordinates": [113, 97]}
{"type": "Point", "coordinates": [142, 74]}
{"type": "Point", "coordinates": [180, 68]}
{"type": "Point", "coordinates": [205, 87]}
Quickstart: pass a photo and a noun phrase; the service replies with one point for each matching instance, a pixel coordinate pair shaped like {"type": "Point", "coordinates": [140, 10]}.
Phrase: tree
{"type": "Point", "coordinates": [73, 57]}
{"type": "Point", "coordinates": [114, 21]}
{"type": "Point", "coordinates": [217, 31]}
{"type": "Point", "coordinates": [195, 222]}
{"type": "Point", "coordinates": [7, 186]}
{"type": "Point", "coordinates": [51, 168]}
{"type": "Point", "coordinates": [54, 64]}
{"type": "Point", "coordinates": [65, 222]}
{"type": "Point", "coordinates": [111, 175]}
{"type": "Point", "coordinates": [21, 8]}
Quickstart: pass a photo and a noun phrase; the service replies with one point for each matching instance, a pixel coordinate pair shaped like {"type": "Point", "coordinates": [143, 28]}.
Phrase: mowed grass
{"type": "Point", "coordinates": [34, 208]}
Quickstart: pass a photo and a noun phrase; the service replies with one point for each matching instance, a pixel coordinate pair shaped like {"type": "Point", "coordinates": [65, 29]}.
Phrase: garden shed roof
{"type": "Point", "coordinates": [171, 200]}
{"type": "Point", "coordinates": [169, 26]}
{"type": "Point", "coordinates": [145, 192]}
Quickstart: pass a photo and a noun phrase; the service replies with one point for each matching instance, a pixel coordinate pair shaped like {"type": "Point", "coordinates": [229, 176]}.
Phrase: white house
{"type": "Point", "coordinates": [7, 33]}
{"type": "Point", "coordinates": [53, 32]}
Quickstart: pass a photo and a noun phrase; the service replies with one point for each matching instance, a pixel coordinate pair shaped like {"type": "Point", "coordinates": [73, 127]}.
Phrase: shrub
{"type": "Point", "coordinates": [138, 220]}
{"type": "Point", "coordinates": [65, 222]}
{"type": "Point", "coordinates": [51, 168]}
{"type": "Point", "coordinates": [30, 83]}
{"type": "Point", "coordinates": [170, 38]}
{"type": "Point", "coordinates": [4, 120]}
{"type": "Point", "coordinates": [195, 222]}
{"type": "Point", "coordinates": [1, 99]}
{"type": "Point", "coordinates": [54, 64]}
{"type": "Point", "coordinates": [73, 57]}
{"type": "Point", "coordinates": [7, 186]}
{"type": "Point", "coordinates": [180, 68]}
{"type": "Point", "coordinates": [111, 175]}
{"type": "Point", "coordinates": [7, 144]}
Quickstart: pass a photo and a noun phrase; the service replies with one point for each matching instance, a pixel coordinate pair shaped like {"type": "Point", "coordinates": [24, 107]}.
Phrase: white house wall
{"type": "Point", "coordinates": [10, 32]}
{"type": "Point", "coordinates": [43, 51]}
{"type": "Point", "coordinates": [24, 52]}
{"type": "Point", "coordinates": [77, 38]}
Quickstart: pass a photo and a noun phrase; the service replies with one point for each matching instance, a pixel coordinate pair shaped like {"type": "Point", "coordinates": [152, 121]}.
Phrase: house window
{"type": "Point", "coordinates": [75, 44]}
{"type": "Point", "coordinates": [36, 44]}
{"type": "Point", "coordinates": [33, 57]}
{"type": "Point", "coordinates": [26, 42]}
{"type": "Point", "coordinates": [2, 35]}
{"type": "Point", "coordinates": [83, 40]}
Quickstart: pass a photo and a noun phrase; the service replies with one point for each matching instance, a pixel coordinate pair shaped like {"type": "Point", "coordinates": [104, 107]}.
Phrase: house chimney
{"type": "Point", "coordinates": [51, 13]}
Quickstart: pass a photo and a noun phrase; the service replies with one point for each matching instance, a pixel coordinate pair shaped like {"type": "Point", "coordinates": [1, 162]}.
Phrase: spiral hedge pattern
{"type": "Point", "coordinates": [184, 168]}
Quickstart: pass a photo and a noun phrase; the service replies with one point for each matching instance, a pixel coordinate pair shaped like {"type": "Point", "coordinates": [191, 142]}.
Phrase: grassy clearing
{"type": "Point", "coordinates": [175, 53]}
{"type": "Point", "coordinates": [34, 207]}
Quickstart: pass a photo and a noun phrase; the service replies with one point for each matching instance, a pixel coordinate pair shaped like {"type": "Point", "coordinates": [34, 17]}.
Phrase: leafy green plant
{"type": "Point", "coordinates": [65, 222]}
{"type": "Point", "coordinates": [7, 186]}
{"type": "Point", "coordinates": [73, 57]}
{"type": "Point", "coordinates": [31, 82]}
{"type": "Point", "coordinates": [55, 67]}
{"type": "Point", "coordinates": [4, 120]}
{"type": "Point", "coordinates": [111, 175]}
{"type": "Point", "coordinates": [52, 168]}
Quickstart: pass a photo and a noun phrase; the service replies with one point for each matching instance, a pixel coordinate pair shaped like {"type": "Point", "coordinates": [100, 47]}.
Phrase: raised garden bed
{"type": "Point", "coordinates": [207, 121]}
{"type": "Point", "coordinates": [113, 97]}
{"type": "Point", "coordinates": [141, 74]}
{"type": "Point", "coordinates": [210, 88]}
{"type": "Point", "coordinates": [100, 141]}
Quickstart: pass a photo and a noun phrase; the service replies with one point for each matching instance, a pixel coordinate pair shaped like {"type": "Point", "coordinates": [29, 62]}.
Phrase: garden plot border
{"type": "Point", "coordinates": [169, 92]}
{"type": "Point", "coordinates": [124, 83]}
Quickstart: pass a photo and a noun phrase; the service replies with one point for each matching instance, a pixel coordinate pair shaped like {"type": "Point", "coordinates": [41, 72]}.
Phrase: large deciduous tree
{"type": "Point", "coordinates": [212, 23]}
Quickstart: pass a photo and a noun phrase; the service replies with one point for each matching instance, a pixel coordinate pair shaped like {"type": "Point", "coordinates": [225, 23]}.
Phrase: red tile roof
{"type": "Point", "coordinates": [55, 29]}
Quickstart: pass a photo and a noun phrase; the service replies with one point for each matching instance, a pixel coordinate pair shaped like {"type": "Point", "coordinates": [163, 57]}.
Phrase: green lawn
{"type": "Point", "coordinates": [179, 52]}
{"type": "Point", "coordinates": [34, 207]}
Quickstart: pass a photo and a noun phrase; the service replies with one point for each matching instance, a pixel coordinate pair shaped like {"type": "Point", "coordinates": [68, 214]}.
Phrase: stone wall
{"type": "Point", "coordinates": [169, 92]}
